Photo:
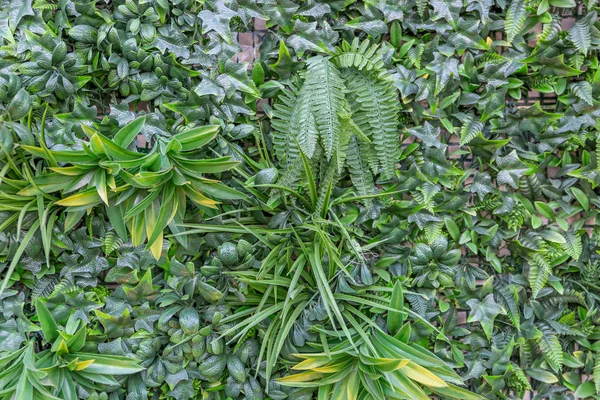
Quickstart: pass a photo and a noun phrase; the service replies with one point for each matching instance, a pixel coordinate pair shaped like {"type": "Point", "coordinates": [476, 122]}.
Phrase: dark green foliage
{"type": "Point", "coordinates": [385, 200]}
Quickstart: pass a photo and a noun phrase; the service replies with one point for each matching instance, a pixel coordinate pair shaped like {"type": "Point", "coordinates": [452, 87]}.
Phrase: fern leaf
{"type": "Point", "coordinates": [429, 190]}
{"type": "Point", "coordinates": [527, 352]}
{"type": "Point", "coordinates": [580, 33]}
{"type": "Point", "coordinates": [433, 230]}
{"type": "Point", "coordinates": [415, 54]}
{"type": "Point", "coordinates": [65, 286]}
{"type": "Point", "coordinates": [43, 288]}
{"type": "Point", "coordinates": [291, 174]}
{"type": "Point", "coordinates": [552, 351]}
{"type": "Point", "coordinates": [359, 169]}
{"type": "Point", "coordinates": [519, 376]}
{"type": "Point", "coordinates": [572, 246]}
{"type": "Point", "coordinates": [324, 89]}
{"type": "Point", "coordinates": [288, 111]}
{"type": "Point", "coordinates": [470, 129]}
{"type": "Point", "coordinates": [111, 242]}
{"type": "Point", "coordinates": [530, 187]}
{"type": "Point", "coordinates": [550, 30]}
{"type": "Point", "coordinates": [515, 19]}
{"type": "Point", "coordinates": [43, 5]}
{"type": "Point", "coordinates": [421, 7]}
{"type": "Point", "coordinates": [583, 90]}
{"type": "Point", "coordinates": [597, 374]}
{"type": "Point", "coordinates": [359, 57]}
{"type": "Point", "coordinates": [373, 102]}
{"type": "Point", "coordinates": [508, 297]}
{"type": "Point", "coordinates": [539, 270]}
{"type": "Point", "coordinates": [417, 303]}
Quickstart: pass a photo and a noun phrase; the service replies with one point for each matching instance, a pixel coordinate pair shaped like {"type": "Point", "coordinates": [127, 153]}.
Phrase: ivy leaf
{"type": "Point", "coordinates": [235, 77]}
{"type": "Point", "coordinates": [444, 69]}
{"type": "Point", "coordinates": [492, 103]}
{"type": "Point", "coordinates": [485, 312]}
{"type": "Point", "coordinates": [248, 9]}
{"type": "Point", "coordinates": [512, 168]}
{"type": "Point", "coordinates": [467, 36]}
{"type": "Point", "coordinates": [280, 13]}
{"type": "Point", "coordinates": [136, 388]}
{"type": "Point", "coordinates": [446, 9]}
{"type": "Point", "coordinates": [5, 31]}
{"type": "Point", "coordinates": [589, 172]}
{"type": "Point", "coordinates": [284, 65]}
{"type": "Point", "coordinates": [146, 316]}
{"type": "Point", "coordinates": [437, 163]}
{"type": "Point", "coordinates": [83, 307]}
{"type": "Point", "coordinates": [218, 21]}
{"type": "Point", "coordinates": [374, 27]}
{"type": "Point", "coordinates": [308, 37]}
{"type": "Point", "coordinates": [482, 184]}
{"type": "Point", "coordinates": [185, 390]}
{"type": "Point", "coordinates": [556, 66]}
{"type": "Point", "coordinates": [428, 134]}
{"type": "Point", "coordinates": [534, 119]}
{"type": "Point", "coordinates": [173, 40]}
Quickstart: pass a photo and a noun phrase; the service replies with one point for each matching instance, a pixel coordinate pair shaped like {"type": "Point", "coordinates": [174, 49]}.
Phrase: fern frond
{"type": "Point", "coordinates": [417, 303]}
{"type": "Point", "coordinates": [542, 83]}
{"type": "Point", "coordinates": [415, 53]}
{"type": "Point", "coordinates": [516, 217]}
{"type": "Point", "coordinates": [433, 230]}
{"type": "Point", "coordinates": [43, 288]}
{"type": "Point", "coordinates": [527, 352]}
{"type": "Point", "coordinates": [530, 187]}
{"type": "Point", "coordinates": [568, 318]}
{"type": "Point", "coordinates": [359, 56]}
{"type": "Point", "coordinates": [325, 89]}
{"type": "Point", "coordinates": [65, 286]}
{"type": "Point", "coordinates": [359, 170]}
{"type": "Point", "coordinates": [290, 110]}
{"type": "Point", "coordinates": [516, 15]}
{"type": "Point", "coordinates": [572, 246]}
{"type": "Point", "coordinates": [373, 103]}
{"type": "Point", "coordinates": [580, 34]}
{"type": "Point", "coordinates": [520, 377]}
{"type": "Point", "coordinates": [111, 242]}
{"type": "Point", "coordinates": [552, 351]}
{"type": "Point", "coordinates": [550, 30]}
{"type": "Point", "coordinates": [508, 297]}
{"type": "Point", "coordinates": [539, 270]}
{"type": "Point", "coordinates": [596, 374]}
{"type": "Point", "coordinates": [591, 273]}
{"type": "Point", "coordinates": [291, 175]}
{"type": "Point", "coordinates": [583, 91]}
{"type": "Point", "coordinates": [470, 129]}
{"type": "Point", "coordinates": [421, 7]}
{"type": "Point", "coordinates": [569, 296]}
{"type": "Point", "coordinates": [490, 57]}
{"type": "Point", "coordinates": [43, 5]}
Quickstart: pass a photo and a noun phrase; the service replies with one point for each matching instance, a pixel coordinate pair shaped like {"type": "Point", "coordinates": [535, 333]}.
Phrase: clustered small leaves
{"type": "Point", "coordinates": [387, 200]}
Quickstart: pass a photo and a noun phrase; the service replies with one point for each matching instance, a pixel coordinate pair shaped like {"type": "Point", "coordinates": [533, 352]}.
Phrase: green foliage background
{"type": "Point", "coordinates": [396, 200]}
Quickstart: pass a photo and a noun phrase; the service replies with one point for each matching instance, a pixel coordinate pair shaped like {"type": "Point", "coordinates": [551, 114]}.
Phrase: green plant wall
{"type": "Point", "coordinates": [299, 199]}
